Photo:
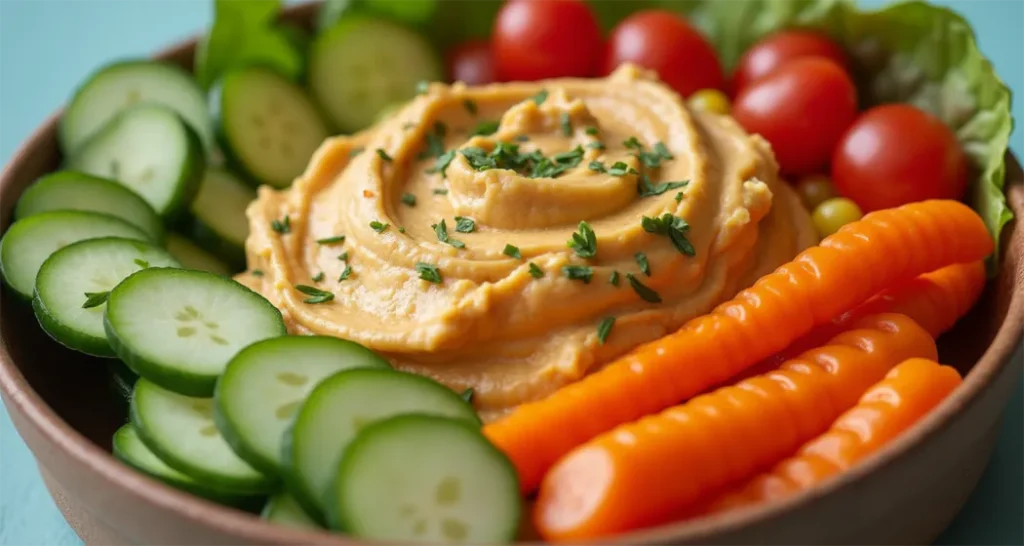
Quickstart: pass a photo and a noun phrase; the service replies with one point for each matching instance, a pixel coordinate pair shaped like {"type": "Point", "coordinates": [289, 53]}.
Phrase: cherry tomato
{"type": "Point", "coordinates": [664, 42]}
{"type": "Point", "coordinates": [833, 214]}
{"type": "Point", "coordinates": [802, 110]}
{"type": "Point", "coordinates": [709, 100]}
{"type": "Point", "coordinates": [537, 39]}
{"type": "Point", "coordinates": [896, 154]}
{"type": "Point", "coordinates": [815, 189]}
{"type": "Point", "coordinates": [772, 52]}
{"type": "Point", "coordinates": [471, 62]}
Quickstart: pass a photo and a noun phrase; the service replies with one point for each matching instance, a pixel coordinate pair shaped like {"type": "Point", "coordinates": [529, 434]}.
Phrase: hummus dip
{"type": "Point", "coordinates": [496, 299]}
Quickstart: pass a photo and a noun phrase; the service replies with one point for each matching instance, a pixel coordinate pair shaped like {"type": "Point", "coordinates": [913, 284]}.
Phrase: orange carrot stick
{"type": "Point", "coordinates": [887, 409]}
{"type": "Point", "coordinates": [646, 472]}
{"type": "Point", "coordinates": [848, 267]}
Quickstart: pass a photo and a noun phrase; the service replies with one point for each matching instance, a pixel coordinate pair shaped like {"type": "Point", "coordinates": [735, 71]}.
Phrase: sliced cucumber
{"type": "Point", "coordinates": [180, 430]}
{"type": "Point", "coordinates": [282, 509]}
{"type": "Point", "coordinates": [73, 282]}
{"type": "Point", "coordinates": [129, 449]}
{"type": "Point", "coordinates": [268, 125]}
{"type": "Point", "coordinates": [265, 384]}
{"type": "Point", "coordinates": [425, 479]}
{"type": "Point", "coordinates": [179, 328]}
{"type": "Point", "coordinates": [70, 190]}
{"type": "Point", "coordinates": [220, 224]}
{"type": "Point", "coordinates": [123, 373]}
{"type": "Point", "coordinates": [363, 64]}
{"type": "Point", "coordinates": [121, 85]}
{"type": "Point", "coordinates": [339, 406]}
{"type": "Point", "coordinates": [152, 151]}
{"type": "Point", "coordinates": [193, 257]}
{"type": "Point", "coordinates": [30, 241]}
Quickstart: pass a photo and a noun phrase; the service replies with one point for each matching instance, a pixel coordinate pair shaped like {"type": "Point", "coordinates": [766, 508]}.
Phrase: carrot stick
{"type": "Point", "coordinates": [646, 472]}
{"type": "Point", "coordinates": [848, 267]}
{"type": "Point", "coordinates": [887, 409]}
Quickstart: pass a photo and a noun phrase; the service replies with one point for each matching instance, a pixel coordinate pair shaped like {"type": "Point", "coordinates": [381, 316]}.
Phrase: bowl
{"type": "Point", "coordinates": [906, 493]}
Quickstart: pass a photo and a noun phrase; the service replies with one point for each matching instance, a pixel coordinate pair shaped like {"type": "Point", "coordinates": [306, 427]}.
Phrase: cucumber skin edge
{"type": "Point", "coordinates": [291, 481]}
{"type": "Point", "coordinates": [235, 440]}
{"type": "Point", "coordinates": [192, 175]}
{"type": "Point", "coordinates": [72, 340]}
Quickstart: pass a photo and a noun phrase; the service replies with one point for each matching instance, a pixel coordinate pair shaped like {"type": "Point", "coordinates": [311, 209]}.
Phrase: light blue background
{"type": "Point", "coordinates": [48, 46]}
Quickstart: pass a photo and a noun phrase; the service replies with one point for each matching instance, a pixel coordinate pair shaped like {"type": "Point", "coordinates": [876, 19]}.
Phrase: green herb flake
{"type": "Point", "coordinates": [661, 150]}
{"type": "Point", "coordinates": [613, 279]}
{"type": "Point", "coordinates": [440, 191]}
{"type": "Point", "coordinates": [141, 263]}
{"type": "Point", "coordinates": [441, 164]}
{"type": "Point", "coordinates": [282, 226]}
{"type": "Point", "coordinates": [578, 272]}
{"type": "Point", "coordinates": [315, 294]}
{"type": "Point", "coordinates": [434, 141]}
{"type": "Point", "coordinates": [467, 395]}
{"type": "Point", "coordinates": [378, 226]}
{"type": "Point", "coordinates": [355, 152]}
{"type": "Point", "coordinates": [346, 273]}
{"type": "Point", "coordinates": [535, 271]}
{"type": "Point", "coordinates": [409, 200]}
{"type": "Point", "coordinates": [429, 272]}
{"type": "Point", "coordinates": [679, 197]}
{"type": "Point", "coordinates": [641, 260]}
{"type": "Point", "coordinates": [633, 143]}
{"type": "Point", "coordinates": [318, 277]}
{"type": "Point", "coordinates": [95, 299]}
{"type": "Point", "coordinates": [331, 240]}
{"type": "Point", "coordinates": [486, 128]}
{"type": "Point", "coordinates": [596, 145]}
{"type": "Point", "coordinates": [512, 252]}
{"type": "Point", "coordinates": [641, 290]}
{"type": "Point", "coordinates": [257, 272]}
{"type": "Point", "coordinates": [343, 256]}
{"type": "Point", "coordinates": [605, 328]}
{"type": "Point", "coordinates": [592, 131]}
{"type": "Point", "coordinates": [470, 106]}
{"type": "Point", "coordinates": [464, 224]}
{"type": "Point", "coordinates": [618, 169]}
{"type": "Point", "coordinates": [673, 227]}
{"type": "Point", "coordinates": [540, 97]}
{"type": "Point", "coordinates": [597, 167]}
{"type": "Point", "coordinates": [644, 188]}
{"type": "Point", "coordinates": [441, 231]}
{"type": "Point", "coordinates": [584, 243]}
{"type": "Point", "coordinates": [566, 124]}
{"type": "Point", "coordinates": [383, 155]}
{"type": "Point", "coordinates": [401, 229]}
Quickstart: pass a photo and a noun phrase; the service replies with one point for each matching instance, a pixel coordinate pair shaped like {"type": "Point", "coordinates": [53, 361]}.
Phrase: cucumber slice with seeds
{"type": "Point", "coordinates": [425, 479]}
{"type": "Point", "coordinates": [284, 510]}
{"type": "Point", "coordinates": [265, 384]}
{"type": "Point", "coordinates": [193, 257]}
{"type": "Point", "coordinates": [339, 406]}
{"type": "Point", "coordinates": [30, 241]}
{"type": "Point", "coordinates": [179, 328]}
{"type": "Point", "coordinates": [220, 224]}
{"type": "Point", "coordinates": [268, 126]}
{"type": "Point", "coordinates": [363, 64]}
{"type": "Point", "coordinates": [70, 190]}
{"type": "Point", "coordinates": [152, 151]}
{"type": "Point", "coordinates": [82, 272]}
{"type": "Point", "coordinates": [181, 432]}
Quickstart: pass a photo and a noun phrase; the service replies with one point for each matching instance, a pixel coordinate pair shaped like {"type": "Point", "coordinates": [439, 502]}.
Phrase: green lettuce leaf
{"type": "Point", "coordinates": [243, 33]}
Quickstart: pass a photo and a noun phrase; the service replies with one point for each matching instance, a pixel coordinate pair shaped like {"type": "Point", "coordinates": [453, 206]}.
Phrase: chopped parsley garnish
{"type": "Point", "coordinates": [540, 97]}
{"type": "Point", "coordinates": [660, 149]}
{"type": "Point", "coordinates": [378, 227]}
{"type": "Point", "coordinates": [331, 240]}
{"type": "Point", "coordinates": [441, 230]}
{"type": "Point", "coordinates": [429, 272]}
{"type": "Point", "coordinates": [535, 271]}
{"type": "Point", "coordinates": [653, 159]}
{"type": "Point", "coordinates": [633, 143]}
{"type": "Point", "coordinates": [566, 124]}
{"type": "Point", "coordinates": [486, 128]}
{"type": "Point", "coordinates": [512, 252]}
{"type": "Point", "coordinates": [641, 290]}
{"type": "Point", "coordinates": [95, 299]}
{"type": "Point", "coordinates": [315, 294]}
{"type": "Point", "coordinates": [440, 191]}
{"type": "Point", "coordinates": [464, 224]}
{"type": "Point", "coordinates": [578, 272]}
{"type": "Point", "coordinates": [604, 328]}
{"type": "Point", "coordinates": [257, 272]}
{"type": "Point", "coordinates": [409, 199]}
{"type": "Point", "coordinates": [422, 87]}
{"type": "Point", "coordinates": [318, 277]}
{"type": "Point", "coordinates": [597, 167]}
{"type": "Point", "coordinates": [384, 155]}
{"type": "Point", "coordinates": [679, 197]}
{"type": "Point", "coordinates": [641, 260]}
{"type": "Point", "coordinates": [470, 106]}
{"type": "Point", "coordinates": [141, 263]}
{"type": "Point", "coordinates": [282, 226]}
{"type": "Point", "coordinates": [441, 164]}
{"type": "Point", "coordinates": [401, 229]}
{"type": "Point", "coordinates": [343, 256]}
{"type": "Point", "coordinates": [645, 189]}
{"type": "Point", "coordinates": [435, 141]}
{"type": "Point", "coordinates": [522, 138]}
{"type": "Point", "coordinates": [673, 227]}
{"type": "Point", "coordinates": [346, 273]}
{"type": "Point", "coordinates": [584, 242]}
{"type": "Point", "coordinates": [506, 155]}
{"type": "Point", "coordinates": [355, 152]}
{"type": "Point", "coordinates": [467, 395]}
{"type": "Point", "coordinates": [613, 279]}
{"type": "Point", "coordinates": [618, 169]}
{"type": "Point", "coordinates": [592, 131]}
{"type": "Point", "coordinates": [596, 145]}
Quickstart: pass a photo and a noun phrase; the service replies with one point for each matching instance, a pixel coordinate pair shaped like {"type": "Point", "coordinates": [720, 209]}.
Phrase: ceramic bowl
{"type": "Point", "coordinates": [907, 493]}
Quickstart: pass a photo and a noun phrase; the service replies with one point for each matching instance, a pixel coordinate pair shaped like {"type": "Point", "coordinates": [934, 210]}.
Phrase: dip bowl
{"type": "Point", "coordinates": [906, 493]}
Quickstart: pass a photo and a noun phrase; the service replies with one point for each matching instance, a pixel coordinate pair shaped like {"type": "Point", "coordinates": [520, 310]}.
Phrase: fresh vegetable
{"type": "Point", "coordinates": [471, 62]}
{"type": "Point", "coordinates": [179, 328]}
{"type": "Point", "coordinates": [538, 39]}
{"type": "Point", "coordinates": [268, 125]}
{"type": "Point", "coordinates": [218, 212]}
{"type": "Point", "coordinates": [833, 214]}
{"type": "Point", "coordinates": [666, 43]}
{"type": "Point", "coordinates": [193, 257]}
{"type": "Point", "coordinates": [243, 34]}
{"type": "Point", "coordinates": [149, 149]}
{"type": "Point", "coordinates": [74, 282]}
{"type": "Point", "coordinates": [802, 109]}
{"type": "Point", "coordinates": [710, 100]}
{"type": "Point", "coordinates": [819, 284]}
{"type": "Point", "coordinates": [777, 49]}
{"type": "Point", "coordinates": [908, 393]}
{"type": "Point", "coordinates": [814, 190]}
{"type": "Point", "coordinates": [456, 488]}
{"type": "Point", "coordinates": [896, 154]}
{"type": "Point", "coordinates": [284, 510]}
{"type": "Point", "coordinates": [616, 482]}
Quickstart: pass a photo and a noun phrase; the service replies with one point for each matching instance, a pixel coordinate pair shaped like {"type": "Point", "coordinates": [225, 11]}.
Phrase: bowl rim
{"type": "Point", "coordinates": [19, 396]}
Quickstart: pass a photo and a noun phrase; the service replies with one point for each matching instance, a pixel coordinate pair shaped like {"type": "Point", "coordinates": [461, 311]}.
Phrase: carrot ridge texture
{"type": "Point", "coordinates": [847, 268]}
{"type": "Point", "coordinates": [649, 471]}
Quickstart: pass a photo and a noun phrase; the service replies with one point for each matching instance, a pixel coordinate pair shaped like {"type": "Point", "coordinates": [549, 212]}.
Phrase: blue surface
{"type": "Point", "coordinates": [48, 46]}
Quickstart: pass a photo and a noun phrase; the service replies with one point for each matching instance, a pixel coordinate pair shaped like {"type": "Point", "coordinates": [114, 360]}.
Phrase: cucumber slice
{"type": "Point", "coordinates": [180, 430]}
{"type": "Point", "coordinates": [29, 242]}
{"type": "Point", "coordinates": [121, 85]}
{"type": "Point", "coordinates": [123, 373]}
{"type": "Point", "coordinates": [152, 151]}
{"type": "Point", "coordinates": [268, 125]}
{"type": "Point", "coordinates": [129, 449]}
{"type": "Point", "coordinates": [70, 190]}
{"type": "Point", "coordinates": [220, 224]}
{"type": "Point", "coordinates": [193, 257]}
{"type": "Point", "coordinates": [337, 408]}
{"type": "Point", "coordinates": [179, 328]}
{"type": "Point", "coordinates": [425, 479]}
{"type": "Point", "coordinates": [83, 272]}
{"type": "Point", "coordinates": [283, 509]}
{"type": "Point", "coordinates": [264, 385]}
{"type": "Point", "coordinates": [363, 64]}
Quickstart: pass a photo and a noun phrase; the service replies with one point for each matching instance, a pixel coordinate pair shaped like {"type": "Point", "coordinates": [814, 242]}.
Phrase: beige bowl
{"type": "Point", "coordinates": [905, 494]}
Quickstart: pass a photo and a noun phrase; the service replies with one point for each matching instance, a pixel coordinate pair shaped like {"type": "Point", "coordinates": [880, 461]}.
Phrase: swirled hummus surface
{"type": "Point", "coordinates": [498, 300]}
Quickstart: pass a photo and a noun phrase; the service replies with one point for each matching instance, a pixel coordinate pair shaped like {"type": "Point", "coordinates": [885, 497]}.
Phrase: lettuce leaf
{"type": "Point", "coordinates": [243, 33]}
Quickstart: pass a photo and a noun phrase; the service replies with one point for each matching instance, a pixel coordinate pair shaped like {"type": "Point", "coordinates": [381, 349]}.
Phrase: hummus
{"type": "Point", "coordinates": [508, 307]}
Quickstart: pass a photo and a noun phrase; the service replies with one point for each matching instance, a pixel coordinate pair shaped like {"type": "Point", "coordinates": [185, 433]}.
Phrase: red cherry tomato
{"type": "Point", "coordinates": [802, 110]}
{"type": "Point", "coordinates": [471, 62]}
{"type": "Point", "coordinates": [895, 154]}
{"type": "Point", "coordinates": [774, 51]}
{"type": "Point", "coordinates": [666, 43]}
{"type": "Point", "coordinates": [537, 39]}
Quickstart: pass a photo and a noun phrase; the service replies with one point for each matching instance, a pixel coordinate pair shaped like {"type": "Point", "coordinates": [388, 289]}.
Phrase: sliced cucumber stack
{"type": "Point", "coordinates": [283, 509]}
{"type": "Point", "coordinates": [70, 190]}
{"type": "Point", "coordinates": [339, 407]}
{"type": "Point", "coordinates": [73, 284]}
{"type": "Point", "coordinates": [122, 85]}
{"type": "Point", "coordinates": [220, 224]}
{"type": "Point", "coordinates": [265, 384]}
{"type": "Point", "coordinates": [152, 151]}
{"type": "Point", "coordinates": [363, 64]}
{"type": "Point", "coordinates": [129, 449]}
{"type": "Point", "coordinates": [179, 328]}
{"type": "Point", "coordinates": [425, 479]}
{"type": "Point", "coordinates": [193, 257]}
{"type": "Point", "coordinates": [181, 432]}
{"type": "Point", "coordinates": [30, 241]}
{"type": "Point", "coordinates": [268, 125]}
